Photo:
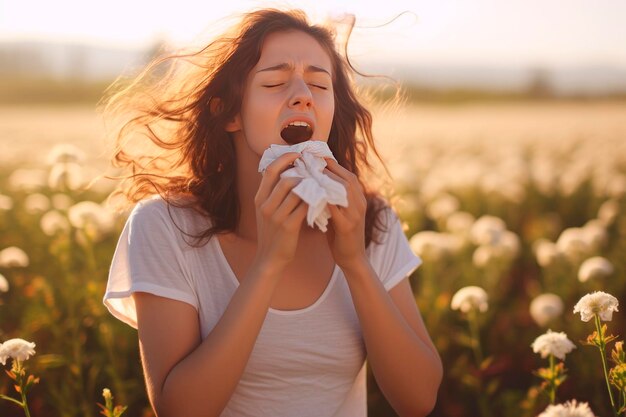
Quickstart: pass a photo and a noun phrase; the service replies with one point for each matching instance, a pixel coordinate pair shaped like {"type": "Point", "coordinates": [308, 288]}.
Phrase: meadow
{"type": "Point", "coordinates": [511, 197]}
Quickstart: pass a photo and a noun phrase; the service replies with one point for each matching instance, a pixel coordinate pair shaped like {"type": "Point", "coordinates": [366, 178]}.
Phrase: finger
{"type": "Point", "coordinates": [346, 184]}
{"type": "Point", "coordinates": [291, 201]}
{"type": "Point", "coordinates": [297, 216]}
{"type": "Point", "coordinates": [280, 193]}
{"type": "Point", "coordinates": [351, 196]}
{"type": "Point", "coordinates": [334, 166]}
{"type": "Point", "coordinates": [335, 177]}
{"type": "Point", "coordinates": [340, 171]}
{"type": "Point", "coordinates": [271, 176]}
{"type": "Point", "coordinates": [335, 214]}
{"type": "Point", "coordinates": [351, 183]}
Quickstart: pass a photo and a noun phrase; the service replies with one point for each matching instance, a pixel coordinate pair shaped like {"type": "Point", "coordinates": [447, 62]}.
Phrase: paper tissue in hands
{"type": "Point", "coordinates": [316, 188]}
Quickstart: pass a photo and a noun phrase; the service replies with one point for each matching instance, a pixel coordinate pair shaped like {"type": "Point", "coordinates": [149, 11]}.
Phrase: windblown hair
{"type": "Point", "coordinates": [183, 108]}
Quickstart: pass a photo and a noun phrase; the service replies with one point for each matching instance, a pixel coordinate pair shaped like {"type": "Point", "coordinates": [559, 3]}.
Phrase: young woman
{"type": "Point", "coordinates": [242, 308]}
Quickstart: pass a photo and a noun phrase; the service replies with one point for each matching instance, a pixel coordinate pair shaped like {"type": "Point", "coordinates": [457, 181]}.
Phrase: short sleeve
{"type": "Point", "coordinates": [148, 258]}
{"type": "Point", "coordinates": [393, 258]}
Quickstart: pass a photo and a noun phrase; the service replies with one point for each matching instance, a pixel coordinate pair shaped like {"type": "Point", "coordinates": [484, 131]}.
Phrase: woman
{"type": "Point", "coordinates": [242, 309]}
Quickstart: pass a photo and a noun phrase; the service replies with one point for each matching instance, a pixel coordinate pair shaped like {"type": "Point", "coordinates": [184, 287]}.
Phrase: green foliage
{"type": "Point", "coordinates": [56, 301]}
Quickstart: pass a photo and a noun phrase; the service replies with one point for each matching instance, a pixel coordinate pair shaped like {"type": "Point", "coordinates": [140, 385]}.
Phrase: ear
{"type": "Point", "coordinates": [233, 125]}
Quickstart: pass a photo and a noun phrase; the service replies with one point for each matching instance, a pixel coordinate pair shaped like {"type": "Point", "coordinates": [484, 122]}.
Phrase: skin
{"type": "Point", "coordinates": [270, 98]}
{"type": "Point", "coordinates": [189, 376]}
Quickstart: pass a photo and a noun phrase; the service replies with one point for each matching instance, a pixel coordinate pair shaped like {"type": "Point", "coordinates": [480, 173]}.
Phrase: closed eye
{"type": "Point", "coordinates": [277, 85]}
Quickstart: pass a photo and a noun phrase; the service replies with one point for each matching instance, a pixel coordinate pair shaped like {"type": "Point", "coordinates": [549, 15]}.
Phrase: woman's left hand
{"type": "Point", "coordinates": [346, 228]}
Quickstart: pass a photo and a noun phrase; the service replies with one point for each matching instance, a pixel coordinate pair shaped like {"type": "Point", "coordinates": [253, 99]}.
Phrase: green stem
{"type": "Point", "coordinates": [603, 355]}
{"type": "Point", "coordinates": [92, 264]}
{"type": "Point", "coordinates": [4, 397]}
{"type": "Point", "coordinates": [19, 372]}
{"type": "Point", "coordinates": [478, 356]}
{"type": "Point", "coordinates": [25, 405]}
{"type": "Point", "coordinates": [74, 301]}
{"type": "Point", "coordinates": [484, 407]}
{"type": "Point", "coordinates": [552, 381]}
{"type": "Point", "coordinates": [475, 334]}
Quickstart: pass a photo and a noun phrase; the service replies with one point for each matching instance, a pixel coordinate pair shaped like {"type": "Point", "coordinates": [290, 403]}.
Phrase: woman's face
{"type": "Point", "coordinates": [291, 84]}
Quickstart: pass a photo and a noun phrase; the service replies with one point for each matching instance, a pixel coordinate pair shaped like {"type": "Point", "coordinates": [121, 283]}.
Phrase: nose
{"type": "Point", "coordinates": [301, 96]}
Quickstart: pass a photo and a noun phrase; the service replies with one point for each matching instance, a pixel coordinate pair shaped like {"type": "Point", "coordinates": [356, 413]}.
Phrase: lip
{"type": "Point", "coordinates": [298, 118]}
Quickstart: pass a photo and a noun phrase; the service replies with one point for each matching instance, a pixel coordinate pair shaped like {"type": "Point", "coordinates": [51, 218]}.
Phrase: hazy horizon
{"type": "Point", "coordinates": [518, 33]}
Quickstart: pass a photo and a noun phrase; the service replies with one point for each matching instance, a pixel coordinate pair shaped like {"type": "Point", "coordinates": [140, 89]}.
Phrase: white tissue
{"type": "Point", "coordinates": [316, 189]}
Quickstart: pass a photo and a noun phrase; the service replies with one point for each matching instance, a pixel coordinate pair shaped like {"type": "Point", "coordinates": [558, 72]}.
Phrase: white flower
{"type": "Point", "coordinates": [95, 220]}
{"type": "Point", "coordinates": [545, 308]}
{"type": "Point", "coordinates": [53, 222]}
{"type": "Point", "coordinates": [596, 267]}
{"type": "Point", "coordinates": [546, 252]}
{"type": "Point", "coordinates": [470, 298]}
{"type": "Point", "coordinates": [506, 248]}
{"type": "Point", "coordinates": [18, 349]}
{"type": "Point", "coordinates": [487, 230]}
{"type": "Point", "coordinates": [460, 222]}
{"type": "Point", "coordinates": [595, 234]}
{"type": "Point", "coordinates": [608, 212]}
{"type": "Point", "coordinates": [432, 246]}
{"type": "Point", "coordinates": [442, 207]}
{"type": "Point", "coordinates": [4, 284]}
{"type": "Point", "coordinates": [573, 243]}
{"type": "Point", "coordinates": [36, 203]}
{"type": "Point", "coordinates": [106, 393]}
{"type": "Point", "coordinates": [569, 409]}
{"type": "Point", "coordinates": [65, 176]}
{"type": "Point", "coordinates": [65, 153]}
{"type": "Point", "coordinates": [599, 303]}
{"type": "Point", "coordinates": [616, 186]}
{"type": "Point", "coordinates": [552, 343]}
{"type": "Point", "coordinates": [484, 255]}
{"type": "Point", "coordinates": [61, 201]}
{"type": "Point", "coordinates": [509, 244]}
{"type": "Point", "coordinates": [6, 202]}
{"type": "Point", "coordinates": [13, 257]}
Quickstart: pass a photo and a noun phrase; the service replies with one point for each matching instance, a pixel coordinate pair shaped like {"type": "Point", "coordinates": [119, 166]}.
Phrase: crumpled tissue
{"type": "Point", "coordinates": [316, 188]}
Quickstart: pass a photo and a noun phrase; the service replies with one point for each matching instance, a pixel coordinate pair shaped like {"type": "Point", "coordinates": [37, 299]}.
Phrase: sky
{"type": "Point", "coordinates": [445, 32]}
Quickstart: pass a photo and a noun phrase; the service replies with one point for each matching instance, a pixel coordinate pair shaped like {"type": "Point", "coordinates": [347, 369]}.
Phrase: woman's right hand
{"type": "Point", "coordinates": [279, 215]}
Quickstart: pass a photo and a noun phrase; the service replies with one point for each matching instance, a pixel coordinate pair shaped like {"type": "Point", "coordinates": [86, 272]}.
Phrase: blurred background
{"type": "Point", "coordinates": [514, 110]}
{"type": "Point", "coordinates": [57, 59]}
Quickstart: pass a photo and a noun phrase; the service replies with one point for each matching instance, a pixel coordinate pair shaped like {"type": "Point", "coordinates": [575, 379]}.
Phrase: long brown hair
{"type": "Point", "coordinates": [182, 110]}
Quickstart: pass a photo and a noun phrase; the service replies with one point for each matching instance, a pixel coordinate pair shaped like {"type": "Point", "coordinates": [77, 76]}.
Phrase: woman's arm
{"type": "Point", "coordinates": [403, 359]}
{"type": "Point", "coordinates": [187, 377]}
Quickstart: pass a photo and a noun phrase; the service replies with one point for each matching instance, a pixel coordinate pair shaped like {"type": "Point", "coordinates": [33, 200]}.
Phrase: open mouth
{"type": "Point", "coordinates": [296, 132]}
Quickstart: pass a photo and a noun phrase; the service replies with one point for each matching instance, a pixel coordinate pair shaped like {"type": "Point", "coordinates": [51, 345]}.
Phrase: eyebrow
{"type": "Point", "coordinates": [288, 67]}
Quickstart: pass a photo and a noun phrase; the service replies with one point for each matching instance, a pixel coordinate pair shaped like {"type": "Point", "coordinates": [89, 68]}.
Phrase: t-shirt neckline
{"type": "Point", "coordinates": [233, 277]}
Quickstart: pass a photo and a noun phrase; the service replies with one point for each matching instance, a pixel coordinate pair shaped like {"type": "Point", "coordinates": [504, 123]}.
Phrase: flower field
{"type": "Point", "coordinates": [518, 211]}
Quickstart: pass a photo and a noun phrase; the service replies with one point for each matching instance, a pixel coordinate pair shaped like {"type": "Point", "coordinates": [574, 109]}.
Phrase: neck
{"type": "Point", "coordinates": [248, 181]}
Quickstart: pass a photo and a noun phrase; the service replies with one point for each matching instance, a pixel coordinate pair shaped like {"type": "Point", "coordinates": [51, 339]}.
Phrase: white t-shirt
{"type": "Point", "coordinates": [308, 362]}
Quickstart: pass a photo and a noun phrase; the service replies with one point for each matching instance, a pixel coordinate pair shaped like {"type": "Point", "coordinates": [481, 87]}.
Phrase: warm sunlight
{"type": "Point", "coordinates": [483, 32]}
{"type": "Point", "coordinates": [203, 232]}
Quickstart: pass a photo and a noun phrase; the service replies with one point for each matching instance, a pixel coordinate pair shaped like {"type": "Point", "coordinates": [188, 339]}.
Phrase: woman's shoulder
{"type": "Point", "coordinates": [182, 210]}
{"type": "Point", "coordinates": [158, 204]}
{"type": "Point", "coordinates": [386, 215]}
